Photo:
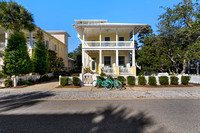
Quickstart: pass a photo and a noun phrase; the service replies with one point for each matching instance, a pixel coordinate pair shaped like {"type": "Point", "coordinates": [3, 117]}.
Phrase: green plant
{"type": "Point", "coordinates": [2, 75]}
{"type": "Point", "coordinates": [109, 76]}
{"type": "Point", "coordinates": [131, 80]}
{"type": "Point", "coordinates": [152, 80]}
{"type": "Point", "coordinates": [141, 80]}
{"type": "Point", "coordinates": [174, 80]}
{"type": "Point", "coordinates": [24, 82]}
{"type": "Point", "coordinates": [8, 83]}
{"type": "Point", "coordinates": [64, 81]}
{"type": "Point", "coordinates": [44, 78]}
{"type": "Point", "coordinates": [75, 81]}
{"type": "Point", "coordinates": [185, 80]}
{"type": "Point", "coordinates": [163, 80]}
{"type": "Point", "coordinates": [102, 74]}
{"type": "Point", "coordinates": [121, 79]}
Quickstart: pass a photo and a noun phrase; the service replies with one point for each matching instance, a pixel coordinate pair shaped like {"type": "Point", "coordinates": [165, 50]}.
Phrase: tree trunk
{"type": "Point", "coordinates": [184, 66]}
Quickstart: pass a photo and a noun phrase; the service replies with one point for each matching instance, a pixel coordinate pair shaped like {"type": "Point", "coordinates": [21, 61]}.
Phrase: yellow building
{"type": "Point", "coordinates": [54, 40]}
{"type": "Point", "coordinates": [108, 47]}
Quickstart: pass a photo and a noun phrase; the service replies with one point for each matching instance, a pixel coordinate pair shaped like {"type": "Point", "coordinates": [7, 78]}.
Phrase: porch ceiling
{"type": "Point", "coordinates": [105, 51]}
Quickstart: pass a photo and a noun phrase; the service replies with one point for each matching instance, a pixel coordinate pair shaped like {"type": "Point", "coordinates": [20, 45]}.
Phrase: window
{"type": "Point", "coordinates": [121, 38]}
{"type": "Point", "coordinates": [107, 60]}
{"type": "Point", "coordinates": [107, 38]}
{"type": "Point", "coordinates": [121, 60]}
{"type": "Point", "coordinates": [55, 47]}
{"type": "Point", "coordinates": [93, 64]}
{"type": "Point", "coordinates": [29, 45]}
{"type": "Point", "coordinates": [47, 44]}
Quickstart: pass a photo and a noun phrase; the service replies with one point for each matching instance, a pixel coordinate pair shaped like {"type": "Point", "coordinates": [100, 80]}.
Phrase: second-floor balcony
{"type": "Point", "coordinates": [108, 44]}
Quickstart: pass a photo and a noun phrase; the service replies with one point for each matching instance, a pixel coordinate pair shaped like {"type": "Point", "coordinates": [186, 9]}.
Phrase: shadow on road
{"type": "Point", "coordinates": [12, 102]}
{"type": "Point", "coordinates": [106, 120]}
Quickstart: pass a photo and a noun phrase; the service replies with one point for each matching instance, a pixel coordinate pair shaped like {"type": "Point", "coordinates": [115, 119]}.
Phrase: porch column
{"type": "Point", "coordinates": [100, 61]}
{"type": "Point", "coordinates": [83, 41]}
{"type": "Point", "coordinates": [6, 39]}
{"type": "Point", "coordinates": [83, 60]}
{"type": "Point", "coordinates": [133, 57]}
{"type": "Point", "coordinates": [117, 62]}
{"type": "Point", "coordinates": [100, 38]}
{"type": "Point", "coordinates": [116, 37]}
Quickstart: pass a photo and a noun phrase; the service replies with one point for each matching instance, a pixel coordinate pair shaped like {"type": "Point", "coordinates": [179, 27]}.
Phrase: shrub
{"type": "Point", "coordinates": [152, 80]}
{"type": "Point", "coordinates": [185, 80]}
{"type": "Point", "coordinates": [141, 80]}
{"type": "Point", "coordinates": [64, 81]}
{"type": "Point", "coordinates": [75, 81]}
{"type": "Point", "coordinates": [131, 80]}
{"type": "Point", "coordinates": [102, 74]}
{"type": "Point", "coordinates": [164, 80]}
{"type": "Point", "coordinates": [174, 80]}
{"type": "Point", "coordinates": [121, 79]}
{"type": "Point", "coordinates": [44, 78]}
{"type": "Point", "coordinates": [8, 83]}
{"type": "Point", "coordinates": [23, 82]}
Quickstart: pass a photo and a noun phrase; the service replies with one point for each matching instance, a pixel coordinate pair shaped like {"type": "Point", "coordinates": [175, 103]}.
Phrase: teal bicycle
{"type": "Point", "coordinates": [108, 84]}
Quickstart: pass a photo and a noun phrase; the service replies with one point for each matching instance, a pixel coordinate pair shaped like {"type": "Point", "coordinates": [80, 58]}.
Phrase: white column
{"type": "Point", "coordinates": [31, 40]}
{"type": "Point", "coordinates": [100, 59]}
{"type": "Point", "coordinates": [100, 38]}
{"type": "Point", "coordinates": [6, 39]}
{"type": "Point", "coordinates": [83, 41]}
{"type": "Point", "coordinates": [83, 58]}
{"type": "Point", "coordinates": [117, 58]}
{"type": "Point", "coordinates": [116, 37]}
{"type": "Point", "coordinates": [133, 39]}
{"type": "Point", "coordinates": [133, 57]}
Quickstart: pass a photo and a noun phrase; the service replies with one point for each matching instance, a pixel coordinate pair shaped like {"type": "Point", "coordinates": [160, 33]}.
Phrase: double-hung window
{"type": "Point", "coordinates": [107, 60]}
{"type": "Point", "coordinates": [122, 61]}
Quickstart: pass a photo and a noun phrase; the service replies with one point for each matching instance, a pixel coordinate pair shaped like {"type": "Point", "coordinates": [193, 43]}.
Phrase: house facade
{"type": "Point", "coordinates": [54, 40]}
{"type": "Point", "coordinates": [107, 47]}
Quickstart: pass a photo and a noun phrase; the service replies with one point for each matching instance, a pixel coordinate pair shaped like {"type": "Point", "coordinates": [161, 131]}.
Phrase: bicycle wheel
{"type": "Point", "coordinates": [117, 85]}
{"type": "Point", "coordinates": [95, 84]}
{"type": "Point", "coordinates": [107, 85]}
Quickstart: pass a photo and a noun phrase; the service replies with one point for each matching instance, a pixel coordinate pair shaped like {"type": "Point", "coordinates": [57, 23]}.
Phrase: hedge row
{"type": "Point", "coordinates": [64, 81]}
{"type": "Point", "coordinates": [163, 80]}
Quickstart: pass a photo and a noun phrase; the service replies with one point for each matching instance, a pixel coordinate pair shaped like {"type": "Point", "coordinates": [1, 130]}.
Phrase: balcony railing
{"type": "Point", "coordinates": [96, 44]}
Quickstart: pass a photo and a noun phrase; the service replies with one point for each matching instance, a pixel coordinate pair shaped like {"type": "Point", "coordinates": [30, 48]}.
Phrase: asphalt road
{"type": "Point", "coordinates": [95, 116]}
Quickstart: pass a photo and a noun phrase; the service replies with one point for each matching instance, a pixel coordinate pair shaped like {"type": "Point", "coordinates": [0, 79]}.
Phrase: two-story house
{"type": "Point", "coordinates": [54, 40]}
{"type": "Point", "coordinates": [108, 47]}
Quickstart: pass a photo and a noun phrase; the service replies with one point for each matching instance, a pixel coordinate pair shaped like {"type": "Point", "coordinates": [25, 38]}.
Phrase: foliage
{"type": "Point", "coordinates": [152, 80]}
{"type": "Point", "coordinates": [163, 80]}
{"type": "Point", "coordinates": [185, 80]}
{"type": "Point", "coordinates": [8, 83]}
{"type": "Point", "coordinates": [3, 75]}
{"type": "Point", "coordinates": [110, 77]}
{"type": "Point", "coordinates": [55, 63]}
{"type": "Point", "coordinates": [23, 82]}
{"type": "Point", "coordinates": [121, 79]}
{"type": "Point", "coordinates": [174, 80]}
{"type": "Point", "coordinates": [40, 55]}
{"type": "Point", "coordinates": [15, 17]}
{"type": "Point", "coordinates": [75, 81]}
{"type": "Point", "coordinates": [141, 80]}
{"type": "Point", "coordinates": [131, 80]}
{"type": "Point", "coordinates": [102, 74]}
{"type": "Point", "coordinates": [64, 81]}
{"type": "Point", "coordinates": [44, 78]}
{"type": "Point", "coordinates": [77, 56]}
{"type": "Point", "coordinates": [16, 59]}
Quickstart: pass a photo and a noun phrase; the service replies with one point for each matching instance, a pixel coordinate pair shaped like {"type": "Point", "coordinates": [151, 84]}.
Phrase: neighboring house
{"type": "Point", "coordinates": [54, 40]}
{"type": "Point", "coordinates": [71, 63]}
{"type": "Point", "coordinates": [108, 47]}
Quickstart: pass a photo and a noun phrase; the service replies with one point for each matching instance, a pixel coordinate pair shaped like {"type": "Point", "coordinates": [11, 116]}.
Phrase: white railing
{"type": "Point", "coordinates": [108, 44]}
{"type": "Point", "coordinates": [124, 70]}
{"type": "Point", "coordinates": [109, 70]}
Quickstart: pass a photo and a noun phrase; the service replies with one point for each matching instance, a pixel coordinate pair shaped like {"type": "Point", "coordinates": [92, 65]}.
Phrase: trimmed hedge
{"type": "Point", "coordinates": [64, 81]}
{"type": "Point", "coordinates": [185, 80]}
{"type": "Point", "coordinates": [131, 80]}
{"type": "Point", "coordinates": [75, 81]}
{"type": "Point", "coordinates": [152, 80]}
{"type": "Point", "coordinates": [8, 83]}
{"type": "Point", "coordinates": [141, 80]}
{"type": "Point", "coordinates": [174, 80]}
{"type": "Point", "coordinates": [164, 80]}
{"type": "Point", "coordinates": [121, 79]}
{"type": "Point", "coordinates": [24, 82]}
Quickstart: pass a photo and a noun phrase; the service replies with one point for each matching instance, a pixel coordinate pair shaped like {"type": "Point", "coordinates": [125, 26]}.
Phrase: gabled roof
{"type": "Point", "coordinates": [58, 32]}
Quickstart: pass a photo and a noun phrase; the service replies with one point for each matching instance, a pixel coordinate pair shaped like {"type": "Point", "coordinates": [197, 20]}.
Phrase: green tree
{"type": "Point", "coordinates": [77, 56]}
{"type": "Point", "coordinates": [55, 63]}
{"type": "Point", "coordinates": [40, 55]}
{"type": "Point", "coordinates": [16, 58]}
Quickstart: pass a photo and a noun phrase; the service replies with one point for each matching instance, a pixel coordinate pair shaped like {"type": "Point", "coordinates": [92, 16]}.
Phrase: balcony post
{"type": "Point", "coordinates": [83, 60]}
{"type": "Point", "coordinates": [116, 37]}
{"type": "Point", "coordinates": [6, 39]}
{"type": "Point", "coordinates": [100, 38]}
{"type": "Point", "coordinates": [100, 61]}
{"type": "Point", "coordinates": [133, 57]}
{"type": "Point", "coordinates": [117, 62]}
{"type": "Point", "coordinates": [133, 39]}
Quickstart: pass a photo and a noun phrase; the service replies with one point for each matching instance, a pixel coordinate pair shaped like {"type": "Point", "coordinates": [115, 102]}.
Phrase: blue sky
{"type": "Point", "coordinates": [60, 14]}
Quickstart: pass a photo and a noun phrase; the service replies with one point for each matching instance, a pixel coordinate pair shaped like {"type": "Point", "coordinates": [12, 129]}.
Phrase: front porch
{"type": "Point", "coordinates": [118, 62]}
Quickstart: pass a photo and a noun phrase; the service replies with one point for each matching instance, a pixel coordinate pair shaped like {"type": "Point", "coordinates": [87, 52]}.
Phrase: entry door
{"type": "Point", "coordinates": [93, 64]}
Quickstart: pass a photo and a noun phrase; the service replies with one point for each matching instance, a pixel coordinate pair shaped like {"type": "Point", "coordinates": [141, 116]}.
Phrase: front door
{"type": "Point", "coordinates": [93, 64]}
